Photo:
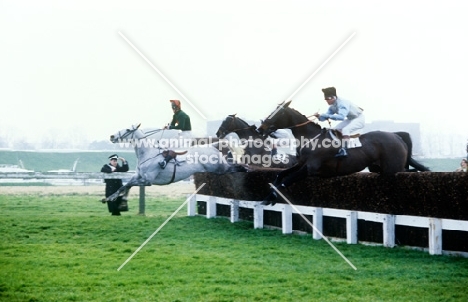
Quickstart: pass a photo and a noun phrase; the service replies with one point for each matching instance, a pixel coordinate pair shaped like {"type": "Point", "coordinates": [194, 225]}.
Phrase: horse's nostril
{"type": "Point", "coordinates": [111, 137]}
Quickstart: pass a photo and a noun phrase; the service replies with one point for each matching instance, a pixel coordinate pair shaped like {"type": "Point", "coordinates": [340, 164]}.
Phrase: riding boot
{"type": "Point", "coordinates": [164, 162]}
{"type": "Point", "coordinates": [342, 152]}
{"type": "Point", "coordinates": [274, 151]}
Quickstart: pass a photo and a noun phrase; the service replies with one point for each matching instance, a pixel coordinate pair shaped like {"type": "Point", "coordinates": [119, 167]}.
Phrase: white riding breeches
{"type": "Point", "coordinates": [350, 127]}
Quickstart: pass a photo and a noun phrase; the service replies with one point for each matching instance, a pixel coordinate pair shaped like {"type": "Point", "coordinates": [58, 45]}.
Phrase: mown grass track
{"type": "Point", "coordinates": [68, 248]}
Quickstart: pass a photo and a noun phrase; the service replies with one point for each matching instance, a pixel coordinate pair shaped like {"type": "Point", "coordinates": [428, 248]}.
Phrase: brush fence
{"type": "Point", "coordinates": [434, 226]}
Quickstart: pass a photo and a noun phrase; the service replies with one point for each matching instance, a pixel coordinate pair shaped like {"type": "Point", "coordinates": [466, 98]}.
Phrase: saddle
{"type": "Point", "coordinates": [338, 134]}
{"type": "Point", "coordinates": [173, 154]}
{"type": "Point", "coordinates": [354, 141]}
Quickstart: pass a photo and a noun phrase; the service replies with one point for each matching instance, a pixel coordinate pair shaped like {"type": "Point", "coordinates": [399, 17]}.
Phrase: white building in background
{"type": "Point", "coordinates": [438, 142]}
{"type": "Point", "coordinates": [412, 128]}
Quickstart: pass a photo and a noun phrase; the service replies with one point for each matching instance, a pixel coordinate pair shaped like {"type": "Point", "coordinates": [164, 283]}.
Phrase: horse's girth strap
{"type": "Point", "coordinates": [173, 173]}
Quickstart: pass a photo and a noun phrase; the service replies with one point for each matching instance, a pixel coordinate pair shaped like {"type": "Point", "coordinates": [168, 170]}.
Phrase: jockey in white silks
{"type": "Point", "coordinates": [342, 110]}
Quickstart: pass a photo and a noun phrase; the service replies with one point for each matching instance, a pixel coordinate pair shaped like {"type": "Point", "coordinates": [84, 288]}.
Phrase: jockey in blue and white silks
{"type": "Point", "coordinates": [342, 110]}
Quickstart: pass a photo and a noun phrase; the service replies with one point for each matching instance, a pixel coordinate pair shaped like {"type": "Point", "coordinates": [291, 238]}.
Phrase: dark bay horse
{"type": "Point", "coordinates": [256, 144]}
{"type": "Point", "coordinates": [385, 150]}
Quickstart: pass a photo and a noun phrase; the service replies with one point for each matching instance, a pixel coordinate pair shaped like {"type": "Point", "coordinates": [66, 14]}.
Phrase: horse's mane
{"type": "Point", "coordinates": [242, 121]}
{"type": "Point", "coordinates": [294, 111]}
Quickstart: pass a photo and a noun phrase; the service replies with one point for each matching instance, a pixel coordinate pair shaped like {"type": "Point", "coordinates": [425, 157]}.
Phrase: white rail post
{"type": "Point", "coordinates": [388, 226]}
{"type": "Point", "coordinates": [317, 222]}
{"type": "Point", "coordinates": [351, 227]}
{"type": "Point", "coordinates": [435, 236]}
{"type": "Point", "coordinates": [211, 207]}
{"type": "Point", "coordinates": [234, 211]}
{"type": "Point", "coordinates": [258, 216]}
{"type": "Point", "coordinates": [286, 220]}
{"type": "Point", "coordinates": [192, 206]}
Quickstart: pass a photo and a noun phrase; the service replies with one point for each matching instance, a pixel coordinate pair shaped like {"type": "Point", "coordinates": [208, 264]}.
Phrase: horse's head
{"type": "Point", "coordinates": [280, 118]}
{"type": "Point", "coordinates": [226, 126]}
{"type": "Point", "coordinates": [127, 134]}
{"type": "Point", "coordinates": [284, 117]}
{"type": "Point", "coordinates": [232, 124]}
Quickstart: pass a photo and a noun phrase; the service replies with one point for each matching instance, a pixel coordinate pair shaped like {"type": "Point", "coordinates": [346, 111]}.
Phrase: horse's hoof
{"type": "Point", "coordinates": [270, 199]}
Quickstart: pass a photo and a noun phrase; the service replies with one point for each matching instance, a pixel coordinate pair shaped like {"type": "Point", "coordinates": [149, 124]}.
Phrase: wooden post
{"type": "Point", "coordinates": [435, 236]}
{"type": "Point", "coordinates": [211, 207]}
{"type": "Point", "coordinates": [287, 219]}
{"type": "Point", "coordinates": [258, 216]}
{"type": "Point", "coordinates": [192, 206]}
{"type": "Point", "coordinates": [388, 230]}
{"type": "Point", "coordinates": [317, 221]}
{"type": "Point", "coordinates": [234, 210]}
{"type": "Point", "coordinates": [141, 210]}
{"type": "Point", "coordinates": [351, 227]}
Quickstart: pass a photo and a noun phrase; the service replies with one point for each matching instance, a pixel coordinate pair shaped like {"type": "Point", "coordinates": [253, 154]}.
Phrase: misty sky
{"type": "Point", "coordinates": [65, 68]}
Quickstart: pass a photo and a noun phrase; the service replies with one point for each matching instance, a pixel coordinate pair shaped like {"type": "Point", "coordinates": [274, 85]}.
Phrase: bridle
{"type": "Point", "coordinates": [127, 133]}
{"type": "Point", "coordinates": [225, 131]}
{"type": "Point", "coordinates": [268, 126]}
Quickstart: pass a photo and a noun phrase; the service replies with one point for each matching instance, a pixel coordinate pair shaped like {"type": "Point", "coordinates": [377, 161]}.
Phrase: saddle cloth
{"type": "Point", "coordinates": [354, 141]}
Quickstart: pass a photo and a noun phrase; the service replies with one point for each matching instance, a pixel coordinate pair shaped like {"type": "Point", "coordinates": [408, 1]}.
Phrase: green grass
{"type": "Point", "coordinates": [46, 161]}
{"type": "Point", "coordinates": [68, 248]}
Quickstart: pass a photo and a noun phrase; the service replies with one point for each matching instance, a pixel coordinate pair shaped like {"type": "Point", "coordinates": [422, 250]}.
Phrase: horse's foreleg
{"type": "Point", "coordinates": [281, 175]}
{"type": "Point", "coordinates": [285, 180]}
{"type": "Point", "coordinates": [294, 177]}
{"type": "Point", "coordinates": [117, 193]}
{"type": "Point", "coordinates": [125, 189]}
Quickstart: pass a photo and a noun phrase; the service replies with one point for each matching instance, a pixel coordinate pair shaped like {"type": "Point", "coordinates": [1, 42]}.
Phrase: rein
{"type": "Point", "coordinates": [151, 132]}
{"type": "Point", "coordinates": [300, 125]}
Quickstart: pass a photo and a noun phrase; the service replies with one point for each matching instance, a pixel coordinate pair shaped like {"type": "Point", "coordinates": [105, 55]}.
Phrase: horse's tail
{"type": "Point", "coordinates": [410, 161]}
{"type": "Point", "coordinates": [418, 166]}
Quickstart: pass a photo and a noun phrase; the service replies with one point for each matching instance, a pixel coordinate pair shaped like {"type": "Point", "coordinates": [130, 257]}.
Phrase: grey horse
{"type": "Point", "coordinates": [202, 158]}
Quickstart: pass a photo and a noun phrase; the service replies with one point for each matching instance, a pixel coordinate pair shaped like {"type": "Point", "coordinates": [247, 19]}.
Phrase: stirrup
{"type": "Point", "coordinates": [342, 153]}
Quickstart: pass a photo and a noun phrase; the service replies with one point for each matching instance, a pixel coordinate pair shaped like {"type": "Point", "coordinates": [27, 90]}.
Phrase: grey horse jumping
{"type": "Point", "coordinates": [205, 158]}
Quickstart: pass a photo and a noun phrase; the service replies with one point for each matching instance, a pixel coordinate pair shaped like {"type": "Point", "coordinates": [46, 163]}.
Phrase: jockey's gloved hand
{"type": "Point", "coordinates": [273, 135]}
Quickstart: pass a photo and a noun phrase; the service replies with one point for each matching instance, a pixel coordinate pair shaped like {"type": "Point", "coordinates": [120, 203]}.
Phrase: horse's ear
{"type": "Point", "coordinates": [138, 126]}
{"type": "Point", "coordinates": [287, 103]}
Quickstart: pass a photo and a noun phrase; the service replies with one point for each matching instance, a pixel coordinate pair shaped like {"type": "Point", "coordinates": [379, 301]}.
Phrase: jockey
{"type": "Point", "coordinates": [180, 121]}
{"type": "Point", "coordinates": [350, 115]}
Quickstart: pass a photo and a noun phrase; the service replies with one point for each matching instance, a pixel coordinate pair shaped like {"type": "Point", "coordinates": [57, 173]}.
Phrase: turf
{"type": "Point", "coordinates": [69, 248]}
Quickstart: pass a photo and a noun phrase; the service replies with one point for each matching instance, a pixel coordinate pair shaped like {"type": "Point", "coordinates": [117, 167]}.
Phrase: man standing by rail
{"type": "Point", "coordinates": [112, 185]}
